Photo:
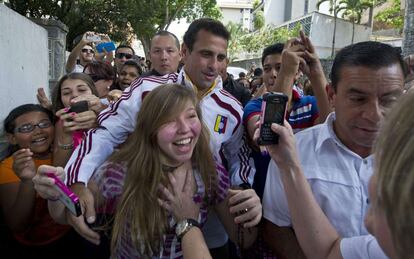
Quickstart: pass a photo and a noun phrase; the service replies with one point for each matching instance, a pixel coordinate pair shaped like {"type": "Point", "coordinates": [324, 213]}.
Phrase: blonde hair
{"type": "Point", "coordinates": [138, 212]}
{"type": "Point", "coordinates": [395, 168]}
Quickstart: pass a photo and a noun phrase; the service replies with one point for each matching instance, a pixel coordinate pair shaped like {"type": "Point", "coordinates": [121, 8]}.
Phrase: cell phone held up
{"type": "Point", "coordinates": [93, 38]}
{"type": "Point", "coordinates": [79, 107]}
{"type": "Point", "coordinates": [273, 111]}
{"type": "Point", "coordinates": [67, 197]}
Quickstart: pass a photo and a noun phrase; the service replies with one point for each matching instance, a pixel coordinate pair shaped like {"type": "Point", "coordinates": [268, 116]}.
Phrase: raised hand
{"type": "Point", "coordinates": [23, 164]}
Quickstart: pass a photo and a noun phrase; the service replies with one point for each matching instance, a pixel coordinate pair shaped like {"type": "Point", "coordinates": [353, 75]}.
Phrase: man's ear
{"type": "Point", "coordinates": [331, 95]}
{"type": "Point", "coordinates": [184, 51]}
{"type": "Point", "coordinates": [11, 138]}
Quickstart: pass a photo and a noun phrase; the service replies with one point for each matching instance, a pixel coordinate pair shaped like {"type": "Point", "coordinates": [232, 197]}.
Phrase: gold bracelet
{"type": "Point", "coordinates": [65, 146]}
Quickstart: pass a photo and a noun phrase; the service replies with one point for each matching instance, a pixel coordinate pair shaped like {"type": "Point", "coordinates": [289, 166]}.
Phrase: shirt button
{"type": "Point", "coordinates": [365, 161]}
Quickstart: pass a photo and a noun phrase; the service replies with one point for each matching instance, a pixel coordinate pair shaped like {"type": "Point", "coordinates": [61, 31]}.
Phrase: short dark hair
{"type": "Point", "coordinates": [213, 26]}
{"type": "Point", "coordinates": [242, 74]}
{"type": "Point", "coordinates": [276, 48]}
{"type": "Point", "coordinates": [125, 46]}
{"type": "Point", "coordinates": [258, 72]}
{"type": "Point", "coordinates": [57, 103]}
{"type": "Point", "coordinates": [167, 33]}
{"type": "Point", "coordinates": [132, 63]}
{"type": "Point", "coordinates": [369, 54]}
{"type": "Point", "coordinates": [9, 123]}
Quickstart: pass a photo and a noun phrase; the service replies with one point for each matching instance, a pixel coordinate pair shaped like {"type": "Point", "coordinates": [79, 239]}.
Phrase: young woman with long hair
{"type": "Point", "coordinates": [169, 144]}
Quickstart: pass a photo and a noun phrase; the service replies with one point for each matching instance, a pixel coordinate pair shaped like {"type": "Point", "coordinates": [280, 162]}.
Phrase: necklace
{"type": "Point", "coordinates": [169, 169]}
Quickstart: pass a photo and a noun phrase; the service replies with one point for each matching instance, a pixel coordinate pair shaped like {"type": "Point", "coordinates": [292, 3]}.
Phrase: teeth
{"type": "Point", "coordinates": [183, 141]}
{"type": "Point", "coordinates": [39, 140]}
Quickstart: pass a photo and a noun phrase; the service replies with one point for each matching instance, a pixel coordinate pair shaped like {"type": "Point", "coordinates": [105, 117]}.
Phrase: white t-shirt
{"type": "Point", "coordinates": [338, 178]}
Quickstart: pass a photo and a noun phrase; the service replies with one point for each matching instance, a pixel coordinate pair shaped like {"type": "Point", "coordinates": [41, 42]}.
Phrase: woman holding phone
{"type": "Point", "coordinates": [73, 90]}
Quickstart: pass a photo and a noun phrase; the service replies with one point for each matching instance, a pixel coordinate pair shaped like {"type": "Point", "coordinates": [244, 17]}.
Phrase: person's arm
{"type": "Point", "coordinates": [115, 123]}
{"type": "Point", "coordinates": [240, 214]}
{"type": "Point", "coordinates": [237, 153]}
{"type": "Point", "coordinates": [74, 54]}
{"type": "Point", "coordinates": [316, 235]}
{"type": "Point", "coordinates": [291, 59]}
{"type": "Point", "coordinates": [66, 126]}
{"type": "Point", "coordinates": [314, 71]}
{"type": "Point", "coordinates": [281, 240]}
{"type": "Point", "coordinates": [18, 198]}
{"type": "Point", "coordinates": [194, 245]}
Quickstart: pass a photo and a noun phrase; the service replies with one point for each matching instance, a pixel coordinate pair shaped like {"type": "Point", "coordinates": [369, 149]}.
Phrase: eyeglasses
{"type": "Point", "coordinates": [88, 51]}
{"type": "Point", "coordinates": [121, 55]}
{"type": "Point", "coordinates": [96, 78]}
{"type": "Point", "coordinates": [27, 128]}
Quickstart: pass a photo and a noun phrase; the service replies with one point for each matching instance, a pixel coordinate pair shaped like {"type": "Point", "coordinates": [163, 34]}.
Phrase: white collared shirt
{"type": "Point", "coordinates": [338, 178]}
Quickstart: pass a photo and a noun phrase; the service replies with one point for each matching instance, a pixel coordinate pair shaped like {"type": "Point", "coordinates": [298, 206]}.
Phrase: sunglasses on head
{"type": "Point", "coordinates": [96, 78]}
{"type": "Point", "coordinates": [27, 128]}
{"type": "Point", "coordinates": [121, 55]}
{"type": "Point", "coordinates": [88, 51]}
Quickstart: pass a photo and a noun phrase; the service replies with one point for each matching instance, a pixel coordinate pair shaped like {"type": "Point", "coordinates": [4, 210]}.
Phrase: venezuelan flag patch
{"type": "Point", "coordinates": [220, 125]}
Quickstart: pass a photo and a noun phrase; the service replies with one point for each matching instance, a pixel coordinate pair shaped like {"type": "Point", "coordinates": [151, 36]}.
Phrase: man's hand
{"type": "Point", "coordinates": [293, 57]}
{"type": "Point", "coordinates": [247, 203]}
{"type": "Point", "coordinates": [312, 68]}
{"type": "Point", "coordinates": [88, 212]}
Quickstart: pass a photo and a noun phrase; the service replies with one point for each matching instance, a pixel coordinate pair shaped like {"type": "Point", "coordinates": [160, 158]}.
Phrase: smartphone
{"type": "Point", "coordinates": [108, 46]}
{"type": "Point", "coordinates": [67, 197]}
{"type": "Point", "coordinates": [93, 38]}
{"type": "Point", "coordinates": [273, 111]}
{"type": "Point", "coordinates": [79, 107]}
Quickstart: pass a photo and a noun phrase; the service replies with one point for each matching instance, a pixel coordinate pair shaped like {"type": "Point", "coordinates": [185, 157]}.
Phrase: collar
{"type": "Point", "coordinates": [185, 80]}
{"type": "Point", "coordinates": [295, 95]}
{"type": "Point", "coordinates": [327, 133]}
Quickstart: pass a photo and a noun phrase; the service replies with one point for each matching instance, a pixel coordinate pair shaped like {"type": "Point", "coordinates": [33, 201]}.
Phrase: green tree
{"type": "Point", "coordinates": [408, 40]}
{"type": "Point", "coordinates": [333, 7]}
{"type": "Point", "coordinates": [392, 16]}
{"type": "Point", "coordinates": [256, 41]}
{"type": "Point", "coordinates": [236, 32]}
{"type": "Point", "coordinates": [258, 20]}
{"type": "Point", "coordinates": [80, 16]}
{"type": "Point", "coordinates": [148, 17]}
{"type": "Point", "coordinates": [353, 9]}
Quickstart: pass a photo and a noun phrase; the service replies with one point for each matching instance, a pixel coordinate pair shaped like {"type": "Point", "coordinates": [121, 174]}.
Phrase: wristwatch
{"type": "Point", "coordinates": [184, 226]}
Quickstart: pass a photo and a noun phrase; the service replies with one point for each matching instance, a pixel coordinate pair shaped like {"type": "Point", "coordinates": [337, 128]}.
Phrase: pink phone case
{"type": "Point", "coordinates": [67, 197]}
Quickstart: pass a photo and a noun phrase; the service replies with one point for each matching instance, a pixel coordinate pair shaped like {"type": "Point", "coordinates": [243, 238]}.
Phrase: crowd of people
{"type": "Point", "coordinates": [165, 159]}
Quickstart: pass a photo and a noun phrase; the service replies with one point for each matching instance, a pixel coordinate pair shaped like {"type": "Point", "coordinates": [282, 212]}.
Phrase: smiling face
{"type": "Point", "coordinates": [208, 56]}
{"type": "Point", "coordinates": [362, 97]}
{"type": "Point", "coordinates": [72, 88]}
{"type": "Point", "coordinates": [178, 137]}
{"type": "Point", "coordinates": [39, 140]}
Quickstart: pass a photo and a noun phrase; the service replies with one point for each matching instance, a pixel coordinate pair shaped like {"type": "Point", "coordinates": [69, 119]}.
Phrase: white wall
{"type": "Point", "coordinates": [274, 11]}
{"type": "Point", "coordinates": [231, 15]}
{"type": "Point", "coordinates": [322, 31]}
{"type": "Point", "coordinates": [25, 60]}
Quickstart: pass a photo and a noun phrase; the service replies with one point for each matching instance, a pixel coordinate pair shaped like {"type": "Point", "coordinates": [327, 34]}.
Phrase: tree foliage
{"type": "Point", "coordinates": [254, 42]}
{"type": "Point", "coordinates": [258, 20]}
{"type": "Point", "coordinates": [392, 16]}
{"type": "Point", "coordinates": [121, 19]}
{"type": "Point", "coordinates": [352, 10]}
{"type": "Point", "coordinates": [234, 47]}
{"type": "Point", "coordinates": [148, 17]}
